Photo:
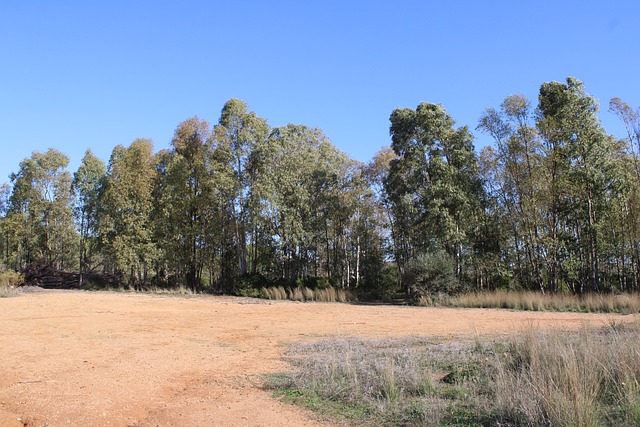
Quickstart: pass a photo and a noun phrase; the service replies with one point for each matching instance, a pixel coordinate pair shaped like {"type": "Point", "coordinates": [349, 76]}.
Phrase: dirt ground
{"type": "Point", "coordinates": [117, 359]}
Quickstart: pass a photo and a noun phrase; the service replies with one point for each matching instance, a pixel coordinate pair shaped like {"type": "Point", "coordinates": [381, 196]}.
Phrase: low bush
{"type": "Point", "coordinates": [8, 280]}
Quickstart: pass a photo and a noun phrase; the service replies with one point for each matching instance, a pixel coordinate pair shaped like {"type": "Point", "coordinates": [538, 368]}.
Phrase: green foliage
{"type": "Point", "coordinates": [189, 194]}
{"type": "Point", "coordinates": [553, 205]}
{"type": "Point", "coordinates": [125, 206]}
{"type": "Point", "coordinates": [39, 222]}
{"type": "Point", "coordinates": [11, 279]}
{"type": "Point", "coordinates": [431, 273]}
{"type": "Point", "coordinates": [433, 186]}
{"type": "Point", "coordinates": [560, 191]}
{"type": "Point", "coordinates": [250, 285]}
{"type": "Point", "coordinates": [86, 185]}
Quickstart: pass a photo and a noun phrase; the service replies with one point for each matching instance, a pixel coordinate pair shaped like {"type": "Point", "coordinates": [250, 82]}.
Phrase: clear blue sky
{"type": "Point", "coordinates": [94, 74]}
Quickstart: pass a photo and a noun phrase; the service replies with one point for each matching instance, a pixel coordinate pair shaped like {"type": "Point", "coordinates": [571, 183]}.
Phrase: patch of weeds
{"type": "Point", "coordinates": [382, 382]}
{"type": "Point", "coordinates": [285, 389]}
{"type": "Point", "coordinates": [462, 414]}
{"type": "Point", "coordinates": [462, 372]}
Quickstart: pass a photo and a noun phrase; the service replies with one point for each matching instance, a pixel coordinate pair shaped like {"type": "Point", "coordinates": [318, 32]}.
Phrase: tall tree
{"type": "Point", "coordinates": [190, 200]}
{"type": "Point", "coordinates": [235, 136]}
{"type": "Point", "coordinates": [41, 210]}
{"type": "Point", "coordinates": [5, 230]}
{"type": "Point", "coordinates": [376, 173]}
{"type": "Point", "coordinates": [517, 160]}
{"type": "Point", "coordinates": [628, 218]}
{"type": "Point", "coordinates": [125, 222]}
{"type": "Point", "coordinates": [434, 185]}
{"type": "Point", "coordinates": [583, 172]}
{"type": "Point", "coordinates": [86, 185]}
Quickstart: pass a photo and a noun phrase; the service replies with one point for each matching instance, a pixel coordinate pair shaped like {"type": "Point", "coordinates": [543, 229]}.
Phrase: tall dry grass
{"type": "Point", "coordinates": [329, 294]}
{"type": "Point", "coordinates": [536, 301]}
{"type": "Point", "coordinates": [177, 290]}
{"type": "Point", "coordinates": [586, 378]}
{"type": "Point", "coordinates": [536, 378]}
{"type": "Point", "coordinates": [5, 291]}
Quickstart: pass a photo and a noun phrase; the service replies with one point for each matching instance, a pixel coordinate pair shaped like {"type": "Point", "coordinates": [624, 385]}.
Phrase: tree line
{"type": "Point", "coordinates": [551, 205]}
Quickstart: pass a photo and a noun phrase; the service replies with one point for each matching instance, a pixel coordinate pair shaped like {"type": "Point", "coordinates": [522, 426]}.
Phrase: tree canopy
{"type": "Point", "coordinates": [552, 204]}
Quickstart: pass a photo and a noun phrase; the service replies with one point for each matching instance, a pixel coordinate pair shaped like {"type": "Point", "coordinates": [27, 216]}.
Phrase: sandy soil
{"type": "Point", "coordinates": [113, 359]}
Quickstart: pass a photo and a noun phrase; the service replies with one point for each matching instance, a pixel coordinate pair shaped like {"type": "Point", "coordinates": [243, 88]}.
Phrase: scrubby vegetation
{"type": "Point", "coordinates": [535, 301]}
{"type": "Point", "coordinates": [578, 378]}
{"type": "Point", "coordinates": [9, 280]}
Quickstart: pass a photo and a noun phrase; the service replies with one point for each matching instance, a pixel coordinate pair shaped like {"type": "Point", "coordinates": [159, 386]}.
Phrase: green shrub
{"type": "Point", "coordinates": [431, 273]}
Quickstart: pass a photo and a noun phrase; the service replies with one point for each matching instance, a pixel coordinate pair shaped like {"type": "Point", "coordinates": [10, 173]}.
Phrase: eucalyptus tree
{"type": "Point", "coordinates": [370, 237]}
{"type": "Point", "coordinates": [235, 136]}
{"type": "Point", "coordinates": [307, 202]}
{"type": "Point", "coordinates": [516, 161]}
{"type": "Point", "coordinates": [631, 120]}
{"type": "Point", "coordinates": [187, 198]}
{"type": "Point", "coordinates": [583, 175]}
{"type": "Point", "coordinates": [291, 175]}
{"type": "Point", "coordinates": [40, 211]}
{"type": "Point", "coordinates": [433, 186]}
{"type": "Point", "coordinates": [193, 185]}
{"type": "Point", "coordinates": [335, 195]}
{"type": "Point", "coordinates": [628, 218]}
{"type": "Point", "coordinates": [126, 201]}
{"type": "Point", "coordinates": [375, 173]}
{"type": "Point", "coordinates": [285, 161]}
{"type": "Point", "coordinates": [86, 185]}
{"type": "Point", "coordinates": [5, 193]}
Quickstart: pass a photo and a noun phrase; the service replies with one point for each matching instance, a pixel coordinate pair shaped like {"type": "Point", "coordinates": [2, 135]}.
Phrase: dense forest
{"type": "Point", "coordinates": [552, 204]}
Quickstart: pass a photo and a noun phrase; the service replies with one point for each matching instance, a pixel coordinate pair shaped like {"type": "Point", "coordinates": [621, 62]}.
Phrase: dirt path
{"type": "Point", "coordinates": [112, 359]}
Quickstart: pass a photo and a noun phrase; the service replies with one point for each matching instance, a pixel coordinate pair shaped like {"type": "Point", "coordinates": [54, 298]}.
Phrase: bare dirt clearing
{"type": "Point", "coordinates": [113, 359]}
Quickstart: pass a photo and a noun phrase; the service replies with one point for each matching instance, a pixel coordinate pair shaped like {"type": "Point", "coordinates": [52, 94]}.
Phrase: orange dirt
{"type": "Point", "coordinates": [118, 359]}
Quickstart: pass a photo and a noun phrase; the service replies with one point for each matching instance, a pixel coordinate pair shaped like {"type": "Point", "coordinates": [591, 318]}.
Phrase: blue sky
{"type": "Point", "coordinates": [88, 74]}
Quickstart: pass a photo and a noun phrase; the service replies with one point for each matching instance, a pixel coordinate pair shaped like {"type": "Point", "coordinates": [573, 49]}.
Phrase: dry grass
{"type": "Point", "coordinates": [5, 291]}
{"type": "Point", "coordinates": [585, 378]}
{"type": "Point", "coordinates": [383, 382]}
{"type": "Point", "coordinates": [8, 281]}
{"type": "Point", "coordinates": [589, 378]}
{"type": "Point", "coordinates": [536, 301]}
{"type": "Point", "coordinates": [305, 294]}
{"type": "Point", "coordinates": [179, 290]}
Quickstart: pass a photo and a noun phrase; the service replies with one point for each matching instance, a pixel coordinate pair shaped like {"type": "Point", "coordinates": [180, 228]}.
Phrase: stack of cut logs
{"type": "Point", "coordinates": [50, 278]}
